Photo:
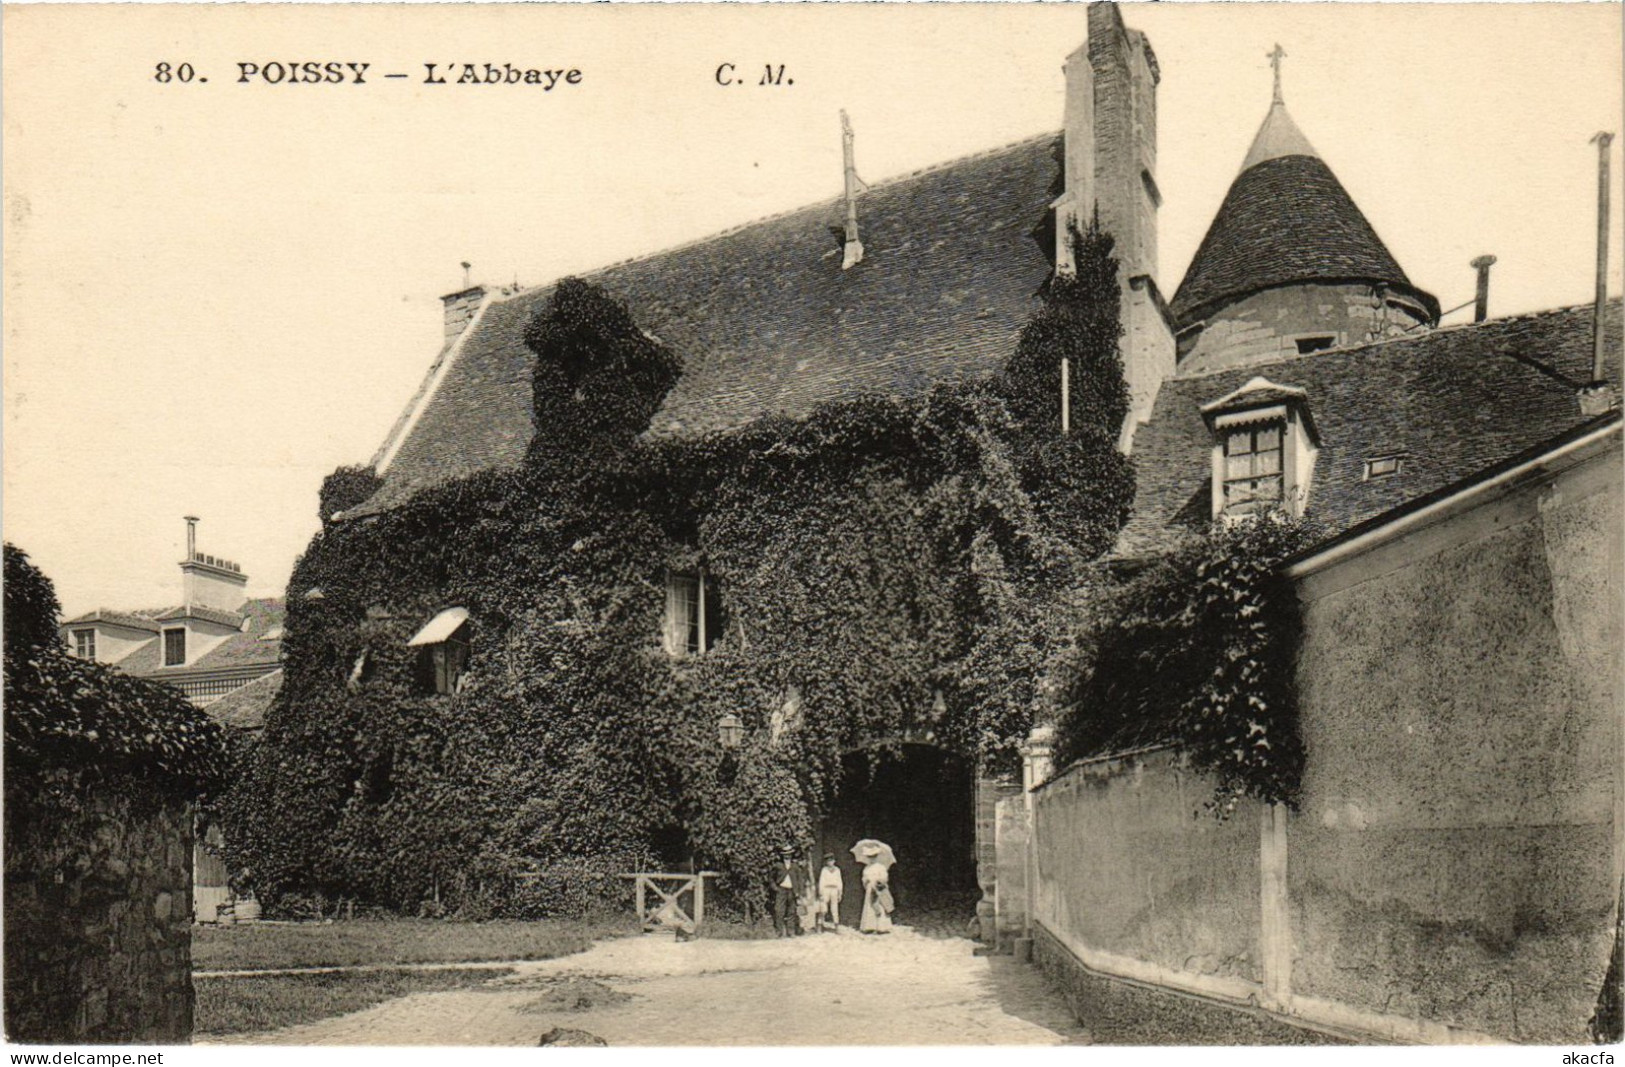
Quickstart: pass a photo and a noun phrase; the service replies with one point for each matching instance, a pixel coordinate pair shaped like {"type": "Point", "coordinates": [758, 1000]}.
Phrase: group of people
{"type": "Point", "coordinates": [790, 889]}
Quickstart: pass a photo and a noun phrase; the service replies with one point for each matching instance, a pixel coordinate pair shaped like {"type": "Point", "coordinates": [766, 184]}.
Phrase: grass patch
{"type": "Point", "coordinates": [270, 946]}
{"type": "Point", "coordinates": [252, 1005]}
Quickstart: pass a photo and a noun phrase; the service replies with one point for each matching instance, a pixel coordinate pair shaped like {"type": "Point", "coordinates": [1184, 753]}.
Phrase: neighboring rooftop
{"type": "Point", "coordinates": [244, 708]}
{"type": "Point", "coordinates": [247, 648]}
{"type": "Point", "coordinates": [134, 620]}
{"type": "Point", "coordinates": [766, 321]}
{"type": "Point", "coordinates": [1450, 403]}
{"type": "Point", "coordinates": [199, 611]}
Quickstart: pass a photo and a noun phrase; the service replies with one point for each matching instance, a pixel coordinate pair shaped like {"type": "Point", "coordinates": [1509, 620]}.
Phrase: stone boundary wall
{"type": "Point", "coordinates": [1453, 874]}
{"type": "Point", "coordinates": [1136, 881]}
{"type": "Point", "coordinates": [98, 913]}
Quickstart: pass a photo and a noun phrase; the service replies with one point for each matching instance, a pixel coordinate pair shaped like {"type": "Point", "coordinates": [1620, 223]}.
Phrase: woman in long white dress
{"type": "Point", "coordinates": [877, 901]}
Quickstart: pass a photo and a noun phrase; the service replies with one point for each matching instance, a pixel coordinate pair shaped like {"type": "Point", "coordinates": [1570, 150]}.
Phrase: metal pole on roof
{"type": "Point", "coordinates": [853, 252]}
{"type": "Point", "coordinates": [1602, 141]}
{"type": "Point", "coordinates": [1066, 397]}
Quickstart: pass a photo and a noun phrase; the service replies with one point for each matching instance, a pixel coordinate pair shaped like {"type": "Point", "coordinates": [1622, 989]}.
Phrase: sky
{"type": "Point", "coordinates": [215, 293]}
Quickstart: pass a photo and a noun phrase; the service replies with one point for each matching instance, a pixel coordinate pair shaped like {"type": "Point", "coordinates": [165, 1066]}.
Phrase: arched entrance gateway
{"type": "Point", "coordinates": [920, 799]}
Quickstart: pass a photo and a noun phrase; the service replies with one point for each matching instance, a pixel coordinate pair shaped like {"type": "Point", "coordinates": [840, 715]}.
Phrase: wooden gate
{"type": "Point", "coordinates": [660, 902]}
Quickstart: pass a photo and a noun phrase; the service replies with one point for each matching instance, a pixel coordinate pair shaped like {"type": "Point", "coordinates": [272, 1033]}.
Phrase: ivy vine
{"type": "Point", "coordinates": [1199, 651]}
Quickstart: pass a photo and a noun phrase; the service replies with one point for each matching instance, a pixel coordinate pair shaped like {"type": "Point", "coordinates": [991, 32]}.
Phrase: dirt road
{"type": "Point", "coordinates": [898, 989]}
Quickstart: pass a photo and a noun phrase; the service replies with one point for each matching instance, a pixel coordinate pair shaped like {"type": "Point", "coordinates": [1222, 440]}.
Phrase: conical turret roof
{"type": "Point", "coordinates": [1279, 136]}
{"type": "Point", "coordinates": [1286, 220]}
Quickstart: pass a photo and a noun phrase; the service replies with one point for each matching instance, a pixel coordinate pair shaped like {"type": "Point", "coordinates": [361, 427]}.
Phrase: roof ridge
{"type": "Point", "coordinates": [1402, 339]}
{"type": "Point", "coordinates": [503, 296]}
{"type": "Point", "coordinates": [145, 614]}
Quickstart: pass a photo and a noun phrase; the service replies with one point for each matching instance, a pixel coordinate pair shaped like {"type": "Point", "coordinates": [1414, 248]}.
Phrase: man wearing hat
{"type": "Point", "coordinates": [789, 884]}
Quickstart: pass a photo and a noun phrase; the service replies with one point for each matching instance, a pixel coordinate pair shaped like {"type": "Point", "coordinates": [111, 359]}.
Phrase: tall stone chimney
{"type": "Point", "coordinates": [1110, 161]}
{"type": "Point", "coordinates": [852, 252]}
{"type": "Point", "coordinates": [208, 581]}
{"type": "Point", "coordinates": [1125, 83]}
{"type": "Point", "coordinates": [1076, 204]}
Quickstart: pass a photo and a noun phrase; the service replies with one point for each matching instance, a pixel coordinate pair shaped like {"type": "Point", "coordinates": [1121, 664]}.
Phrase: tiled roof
{"type": "Point", "coordinates": [766, 321]}
{"type": "Point", "coordinates": [245, 708]}
{"type": "Point", "coordinates": [198, 611]}
{"type": "Point", "coordinates": [135, 620]}
{"type": "Point", "coordinates": [1450, 403]}
{"type": "Point", "coordinates": [241, 649]}
{"type": "Point", "coordinates": [250, 646]}
{"type": "Point", "coordinates": [1287, 220]}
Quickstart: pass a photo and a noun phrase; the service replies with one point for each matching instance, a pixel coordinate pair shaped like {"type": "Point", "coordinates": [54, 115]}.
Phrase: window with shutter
{"type": "Point", "coordinates": [1253, 468]}
{"type": "Point", "coordinates": [174, 648]}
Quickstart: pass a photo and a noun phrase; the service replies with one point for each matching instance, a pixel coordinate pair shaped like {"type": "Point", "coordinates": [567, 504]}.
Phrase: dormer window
{"type": "Point", "coordinates": [693, 614]}
{"type": "Point", "coordinates": [84, 644]}
{"type": "Point", "coordinates": [175, 647]}
{"type": "Point", "coordinates": [1253, 470]}
{"type": "Point", "coordinates": [1264, 448]}
{"type": "Point", "coordinates": [444, 658]}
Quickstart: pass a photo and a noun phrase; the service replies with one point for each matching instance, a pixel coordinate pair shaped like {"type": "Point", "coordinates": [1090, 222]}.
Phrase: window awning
{"type": "Point", "coordinates": [441, 627]}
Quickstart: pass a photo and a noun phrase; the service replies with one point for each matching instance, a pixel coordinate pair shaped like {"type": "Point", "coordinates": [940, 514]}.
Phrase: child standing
{"type": "Point", "coordinates": [830, 888]}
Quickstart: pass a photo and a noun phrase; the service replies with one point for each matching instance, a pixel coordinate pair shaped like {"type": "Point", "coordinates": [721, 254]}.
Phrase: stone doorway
{"type": "Point", "coordinates": [920, 799]}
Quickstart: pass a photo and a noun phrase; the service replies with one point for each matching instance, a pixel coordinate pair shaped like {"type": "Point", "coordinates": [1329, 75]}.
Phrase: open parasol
{"type": "Point", "coordinates": [870, 851]}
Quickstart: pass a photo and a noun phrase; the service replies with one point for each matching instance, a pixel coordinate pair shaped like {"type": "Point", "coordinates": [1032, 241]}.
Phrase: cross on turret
{"type": "Point", "coordinates": [1275, 58]}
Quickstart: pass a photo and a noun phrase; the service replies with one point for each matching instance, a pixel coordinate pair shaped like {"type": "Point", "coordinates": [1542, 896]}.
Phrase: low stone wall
{"type": "Point", "coordinates": [1135, 880]}
{"type": "Point", "coordinates": [98, 911]}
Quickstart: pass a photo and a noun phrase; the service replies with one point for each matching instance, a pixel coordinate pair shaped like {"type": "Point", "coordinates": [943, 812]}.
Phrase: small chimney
{"type": "Point", "coordinates": [854, 247]}
{"type": "Point", "coordinates": [191, 537]}
{"type": "Point", "coordinates": [462, 306]}
{"type": "Point", "coordinates": [1481, 306]}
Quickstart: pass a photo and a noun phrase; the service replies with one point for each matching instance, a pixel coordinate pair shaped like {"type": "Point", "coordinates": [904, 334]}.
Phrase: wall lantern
{"type": "Point", "coordinates": [730, 731]}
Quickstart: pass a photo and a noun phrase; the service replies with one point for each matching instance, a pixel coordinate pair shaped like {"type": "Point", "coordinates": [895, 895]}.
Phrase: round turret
{"type": "Point", "coordinates": [1290, 265]}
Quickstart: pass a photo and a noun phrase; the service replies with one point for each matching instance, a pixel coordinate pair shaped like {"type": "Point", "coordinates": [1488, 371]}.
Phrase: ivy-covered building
{"type": "Point", "coordinates": [792, 534]}
{"type": "Point", "coordinates": [883, 325]}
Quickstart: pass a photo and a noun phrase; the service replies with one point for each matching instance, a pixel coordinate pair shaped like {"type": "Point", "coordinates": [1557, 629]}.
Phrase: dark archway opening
{"type": "Point", "coordinates": [920, 800]}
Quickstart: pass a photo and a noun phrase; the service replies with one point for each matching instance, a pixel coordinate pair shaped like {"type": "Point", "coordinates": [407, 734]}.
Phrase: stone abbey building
{"type": "Point", "coordinates": [1296, 366]}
